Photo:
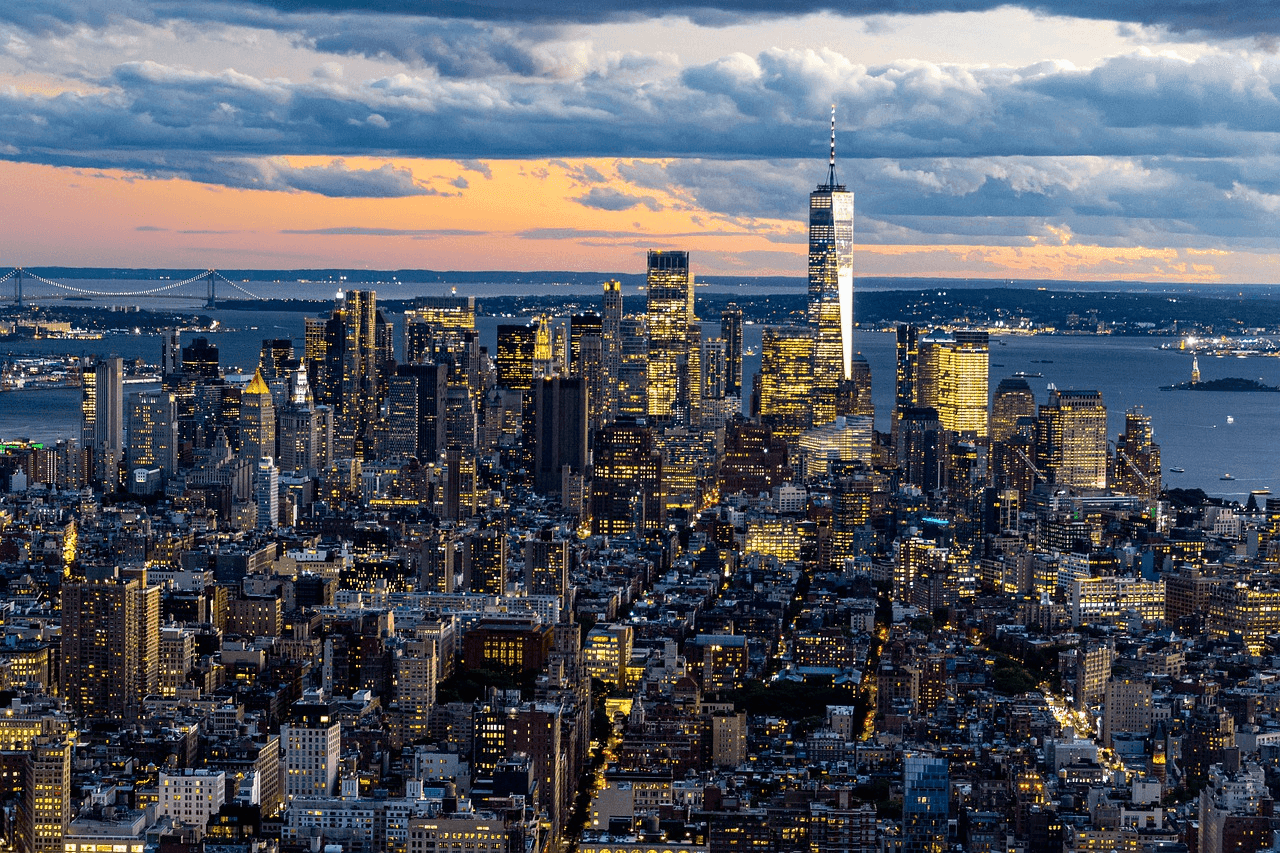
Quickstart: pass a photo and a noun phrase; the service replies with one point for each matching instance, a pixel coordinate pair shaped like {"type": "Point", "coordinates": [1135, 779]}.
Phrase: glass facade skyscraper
{"type": "Point", "coordinates": [831, 286]}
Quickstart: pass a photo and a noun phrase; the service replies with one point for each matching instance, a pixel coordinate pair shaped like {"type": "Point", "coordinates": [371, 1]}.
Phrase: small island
{"type": "Point", "coordinates": [1231, 383]}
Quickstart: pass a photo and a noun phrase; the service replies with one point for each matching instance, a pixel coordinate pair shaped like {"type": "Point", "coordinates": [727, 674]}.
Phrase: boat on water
{"type": "Point", "coordinates": [1226, 477]}
{"type": "Point", "coordinates": [1177, 470]}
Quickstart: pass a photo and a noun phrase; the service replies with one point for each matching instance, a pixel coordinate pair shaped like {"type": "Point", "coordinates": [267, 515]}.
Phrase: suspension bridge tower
{"type": "Point", "coordinates": [211, 290]}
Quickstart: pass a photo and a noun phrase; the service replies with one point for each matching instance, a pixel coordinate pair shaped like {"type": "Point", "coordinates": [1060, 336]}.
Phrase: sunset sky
{"type": "Point", "coordinates": [1102, 140]}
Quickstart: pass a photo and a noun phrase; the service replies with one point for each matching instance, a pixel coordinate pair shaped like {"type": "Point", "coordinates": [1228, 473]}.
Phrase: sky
{"type": "Point", "coordinates": [1087, 140]}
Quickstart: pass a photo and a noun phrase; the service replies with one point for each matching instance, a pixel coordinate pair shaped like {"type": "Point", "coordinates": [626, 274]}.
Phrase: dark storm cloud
{"type": "Point", "coordinates": [1247, 18]}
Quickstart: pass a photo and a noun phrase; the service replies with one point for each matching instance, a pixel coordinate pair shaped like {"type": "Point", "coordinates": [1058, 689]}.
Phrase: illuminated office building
{"type": "Point", "coordinates": [670, 317]}
{"type": "Point", "coordinates": [402, 417]}
{"type": "Point", "coordinates": [1013, 399]}
{"type": "Point", "coordinates": [110, 646]}
{"type": "Point", "coordinates": [830, 286]}
{"type": "Point", "coordinates": [257, 420]}
{"type": "Point", "coordinates": [153, 431]}
{"type": "Point", "coordinates": [952, 378]}
{"type": "Point", "coordinates": [516, 347]}
{"type": "Point", "coordinates": [587, 360]}
{"type": "Point", "coordinates": [431, 384]}
{"type": "Point", "coordinates": [627, 482]}
{"type": "Point", "coordinates": [276, 359]}
{"type": "Point", "coordinates": [731, 332]}
{"type": "Point", "coordinates": [611, 340]}
{"type": "Point", "coordinates": [200, 358]}
{"type": "Point", "coordinates": [358, 404]}
{"type": "Point", "coordinates": [304, 436]}
{"type": "Point", "coordinates": [786, 381]}
{"type": "Point", "coordinates": [591, 370]}
{"type": "Point", "coordinates": [349, 356]}
{"type": "Point", "coordinates": [843, 440]}
{"type": "Point", "coordinates": [1135, 468]}
{"type": "Point", "coordinates": [633, 369]}
{"type": "Point", "coordinates": [434, 319]}
{"type": "Point", "coordinates": [1071, 439]}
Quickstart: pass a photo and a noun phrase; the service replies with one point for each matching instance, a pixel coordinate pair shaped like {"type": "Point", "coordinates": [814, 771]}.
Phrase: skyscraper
{"type": "Point", "coordinates": [951, 376]}
{"type": "Point", "coordinates": [670, 316]}
{"type": "Point", "coordinates": [626, 486]}
{"type": "Point", "coordinates": [1013, 399]}
{"type": "Point", "coordinates": [516, 346]}
{"type": "Point", "coordinates": [170, 351]}
{"type": "Point", "coordinates": [266, 493]}
{"type": "Point", "coordinates": [1136, 468]}
{"type": "Point", "coordinates": [611, 339]}
{"type": "Point", "coordinates": [786, 381]}
{"type": "Point", "coordinates": [103, 410]}
{"type": "Point", "coordinates": [257, 420]}
{"type": "Point", "coordinates": [357, 405]}
{"type": "Point", "coordinates": [831, 285]}
{"type": "Point", "coordinates": [1071, 439]}
{"type": "Point", "coordinates": [153, 431]}
{"type": "Point", "coordinates": [559, 430]}
{"type": "Point", "coordinates": [731, 332]}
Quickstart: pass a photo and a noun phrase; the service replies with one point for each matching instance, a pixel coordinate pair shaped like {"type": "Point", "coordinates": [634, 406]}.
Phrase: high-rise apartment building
{"type": "Point", "coordinates": [546, 563]}
{"type": "Point", "coordinates": [951, 376]}
{"type": "Point", "coordinates": [110, 645]}
{"type": "Point", "coordinates": [926, 799]}
{"type": "Point", "coordinates": [44, 812]}
{"type": "Point", "coordinates": [311, 750]}
{"type": "Point", "coordinates": [1071, 439]}
{"type": "Point", "coordinates": [153, 431]}
{"type": "Point", "coordinates": [670, 318]}
{"type": "Point", "coordinates": [830, 285]}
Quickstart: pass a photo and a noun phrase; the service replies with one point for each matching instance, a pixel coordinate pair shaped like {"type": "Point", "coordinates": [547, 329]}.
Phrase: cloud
{"type": "Point", "coordinates": [1248, 20]}
{"type": "Point", "coordinates": [607, 198]}
{"type": "Point", "coordinates": [363, 231]}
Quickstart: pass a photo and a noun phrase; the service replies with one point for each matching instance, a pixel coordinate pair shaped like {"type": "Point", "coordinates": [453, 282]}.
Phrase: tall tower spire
{"type": "Point", "coordinates": [831, 169]}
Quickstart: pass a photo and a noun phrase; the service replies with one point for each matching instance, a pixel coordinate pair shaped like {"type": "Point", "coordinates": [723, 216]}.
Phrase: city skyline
{"type": "Point", "coordinates": [1107, 143]}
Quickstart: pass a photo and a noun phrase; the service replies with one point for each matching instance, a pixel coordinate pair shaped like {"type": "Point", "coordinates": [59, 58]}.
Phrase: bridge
{"type": "Point", "coordinates": [31, 287]}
